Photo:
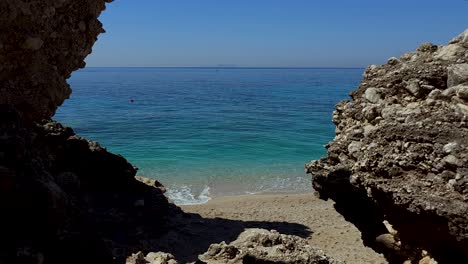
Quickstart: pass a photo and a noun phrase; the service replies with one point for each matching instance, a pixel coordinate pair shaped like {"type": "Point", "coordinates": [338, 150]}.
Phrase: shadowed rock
{"type": "Point", "coordinates": [41, 43]}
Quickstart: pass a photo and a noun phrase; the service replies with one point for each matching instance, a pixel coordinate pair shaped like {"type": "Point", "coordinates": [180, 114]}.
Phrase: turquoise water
{"type": "Point", "coordinates": [207, 132]}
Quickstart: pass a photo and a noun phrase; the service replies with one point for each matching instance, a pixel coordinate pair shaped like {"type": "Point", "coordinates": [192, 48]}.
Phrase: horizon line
{"type": "Point", "coordinates": [231, 67]}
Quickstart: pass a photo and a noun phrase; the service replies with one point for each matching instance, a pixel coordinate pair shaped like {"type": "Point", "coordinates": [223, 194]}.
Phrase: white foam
{"type": "Point", "coordinates": [183, 195]}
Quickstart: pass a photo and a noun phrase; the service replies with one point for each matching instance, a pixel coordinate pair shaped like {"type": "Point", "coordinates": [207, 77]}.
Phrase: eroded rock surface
{"type": "Point", "coordinates": [263, 246]}
{"type": "Point", "coordinates": [401, 153]}
{"type": "Point", "coordinates": [65, 199]}
{"type": "Point", "coordinates": [41, 43]}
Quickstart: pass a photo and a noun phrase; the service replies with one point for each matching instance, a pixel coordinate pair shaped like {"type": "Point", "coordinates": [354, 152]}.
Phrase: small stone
{"type": "Point", "coordinates": [427, 47]}
{"type": "Point", "coordinates": [452, 160]}
{"type": "Point", "coordinates": [462, 91]}
{"type": "Point", "coordinates": [137, 258]}
{"type": "Point", "coordinates": [160, 258]}
{"type": "Point", "coordinates": [393, 61]}
{"type": "Point", "coordinates": [463, 108]}
{"type": "Point", "coordinates": [413, 87]}
{"type": "Point", "coordinates": [449, 92]}
{"type": "Point", "coordinates": [387, 241]}
{"type": "Point", "coordinates": [427, 87]}
{"type": "Point", "coordinates": [372, 95]}
{"type": "Point", "coordinates": [425, 260]}
{"type": "Point", "coordinates": [435, 94]}
{"type": "Point", "coordinates": [457, 74]}
{"type": "Point", "coordinates": [461, 39]}
{"type": "Point", "coordinates": [452, 182]}
{"type": "Point", "coordinates": [354, 147]}
{"type": "Point", "coordinates": [450, 147]}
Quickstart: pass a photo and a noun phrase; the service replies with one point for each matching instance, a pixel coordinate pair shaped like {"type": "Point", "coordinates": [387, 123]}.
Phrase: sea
{"type": "Point", "coordinates": [210, 132]}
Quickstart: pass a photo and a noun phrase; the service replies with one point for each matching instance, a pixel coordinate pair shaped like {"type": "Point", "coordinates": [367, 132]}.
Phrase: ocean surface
{"type": "Point", "coordinates": [206, 132]}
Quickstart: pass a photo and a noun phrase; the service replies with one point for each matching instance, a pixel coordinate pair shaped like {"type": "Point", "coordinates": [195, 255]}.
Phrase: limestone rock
{"type": "Point", "coordinates": [372, 95]}
{"type": "Point", "coordinates": [63, 199]}
{"type": "Point", "coordinates": [457, 74]}
{"type": "Point", "coordinates": [462, 91]}
{"type": "Point", "coordinates": [410, 165]}
{"type": "Point", "coordinates": [461, 39]}
{"type": "Point", "coordinates": [151, 258]}
{"type": "Point", "coordinates": [151, 182]}
{"type": "Point", "coordinates": [263, 246]}
{"type": "Point", "coordinates": [62, 195]}
{"type": "Point", "coordinates": [42, 43]}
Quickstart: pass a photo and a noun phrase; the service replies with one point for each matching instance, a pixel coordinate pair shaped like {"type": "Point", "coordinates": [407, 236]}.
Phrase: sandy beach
{"type": "Point", "coordinates": [299, 214]}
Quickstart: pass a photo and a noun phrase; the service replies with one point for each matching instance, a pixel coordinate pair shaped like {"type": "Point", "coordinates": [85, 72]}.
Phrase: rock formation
{"type": "Point", "coordinates": [63, 199]}
{"type": "Point", "coordinates": [252, 246]}
{"type": "Point", "coordinates": [41, 43]}
{"type": "Point", "coordinates": [263, 246]}
{"type": "Point", "coordinates": [401, 154]}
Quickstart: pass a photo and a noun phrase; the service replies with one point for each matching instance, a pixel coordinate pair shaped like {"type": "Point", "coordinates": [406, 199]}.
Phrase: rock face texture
{"type": "Point", "coordinates": [65, 199]}
{"type": "Point", "coordinates": [252, 246]}
{"type": "Point", "coordinates": [401, 153]}
{"type": "Point", "coordinates": [263, 246]}
{"type": "Point", "coordinates": [41, 43]}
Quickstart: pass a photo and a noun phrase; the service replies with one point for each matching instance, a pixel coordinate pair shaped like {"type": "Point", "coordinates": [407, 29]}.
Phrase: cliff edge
{"type": "Point", "coordinates": [63, 199]}
{"type": "Point", "coordinates": [401, 154]}
{"type": "Point", "coordinates": [41, 43]}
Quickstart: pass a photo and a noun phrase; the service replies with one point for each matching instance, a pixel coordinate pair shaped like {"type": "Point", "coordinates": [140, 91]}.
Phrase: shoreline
{"type": "Point", "coordinates": [196, 195]}
{"type": "Point", "coordinates": [312, 218]}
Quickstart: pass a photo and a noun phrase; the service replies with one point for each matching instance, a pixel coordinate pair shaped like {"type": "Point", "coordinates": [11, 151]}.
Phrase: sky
{"type": "Point", "coordinates": [271, 33]}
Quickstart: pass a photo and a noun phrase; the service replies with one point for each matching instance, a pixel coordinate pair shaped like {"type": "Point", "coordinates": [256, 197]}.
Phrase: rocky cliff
{"type": "Point", "coordinates": [401, 154]}
{"type": "Point", "coordinates": [63, 199]}
{"type": "Point", "coordinates": [41, 43]}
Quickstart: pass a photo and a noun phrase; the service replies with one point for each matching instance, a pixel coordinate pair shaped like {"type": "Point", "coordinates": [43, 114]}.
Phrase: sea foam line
{"type": "Point", "coordinates": [183, 195]}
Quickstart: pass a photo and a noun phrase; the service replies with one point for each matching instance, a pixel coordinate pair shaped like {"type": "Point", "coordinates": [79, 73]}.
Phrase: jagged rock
{"type": "Point", "coordinates": [42, 43]}
{"type": "Point", "coordinates": [63, 199]}
{"type": "Point", "coordinates": [263, 246]}
{"type": "Point", "coordinates": [151, 258]}
{"type": "Point", "coordinates": [412, 168]}
{"type": "Point", "coordinates": [393, 61]}
{"type": "Point", "coordinates": [427, 47]}
{"type": "Point", "coordinates": [372, 95]}
{"type": "Point", "coordinates": [151, 182]}
{"type": "Point", "coordinates": [62, 195]}
{"type": "Point", "coordinates": [160, 258]}
{"type": "Point", "coordinates": [137, 258]}
{"type": "Point", "coordinates": [457, 74]}
{"type": "Point", "coordinates": [461, 39]}
{"type": "Point", "coordinates": [462, 91]}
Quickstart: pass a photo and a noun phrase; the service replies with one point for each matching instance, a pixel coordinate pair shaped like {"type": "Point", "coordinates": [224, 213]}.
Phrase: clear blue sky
{"type": "Point", "coordinates": [273, 33]}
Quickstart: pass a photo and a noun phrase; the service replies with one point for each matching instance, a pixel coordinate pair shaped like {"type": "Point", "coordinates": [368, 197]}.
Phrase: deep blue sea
{"type": "Point", "coordinates": [207, 132]}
